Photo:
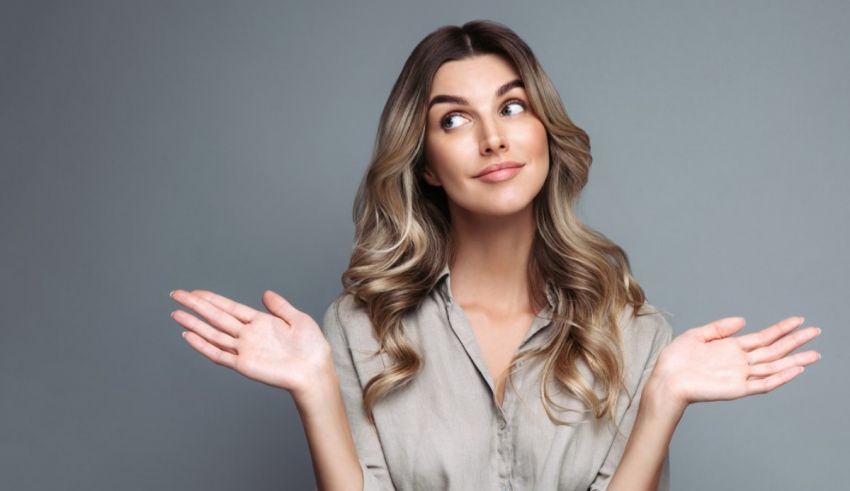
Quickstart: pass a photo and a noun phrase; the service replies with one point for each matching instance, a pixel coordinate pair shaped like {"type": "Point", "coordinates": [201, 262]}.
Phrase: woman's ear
{"type": "Point", "coordinates": [430, 177]}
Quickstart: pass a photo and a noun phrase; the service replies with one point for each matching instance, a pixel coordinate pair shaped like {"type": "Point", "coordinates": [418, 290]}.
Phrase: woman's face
{"type": "Point", "coordinates": [479, 115]}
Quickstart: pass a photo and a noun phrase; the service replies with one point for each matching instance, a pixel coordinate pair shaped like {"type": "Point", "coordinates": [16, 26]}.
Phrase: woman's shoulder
{"type": "Point", "coordinates": [644, 333]}
{"type": "Point", "coordinates": [348, 319]}
{"type": "Point", "coordinates": [647, 321]}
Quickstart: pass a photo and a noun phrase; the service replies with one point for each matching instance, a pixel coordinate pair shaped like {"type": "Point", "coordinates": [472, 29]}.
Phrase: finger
{"type": "Point", "coordinates": [242, 312]}
{"type": "Point", "coordinates": [280, 307]}
{"type": "Point", "coordinates": [770, 334]}
{"type": "Point", "coordinates": [795, 360]}
{"type": "Point", "coordinates": [208, 333]}
{"type": "Point", "coordinates": [214, 354]}
{"type": "Point", "coordinates": [780, 348]}
{"type": "Point", "coordinates": [763, 385]}
{"type": "Point", "coordinates": [720, 328]}
{"type": "Point", "coordinates": [213, 315]}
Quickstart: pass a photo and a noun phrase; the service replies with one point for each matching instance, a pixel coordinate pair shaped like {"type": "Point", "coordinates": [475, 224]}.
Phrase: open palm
{"type": "Point", "coordinates": [283, 350]}
{"type": "Point", "coordinates": [706, 364]}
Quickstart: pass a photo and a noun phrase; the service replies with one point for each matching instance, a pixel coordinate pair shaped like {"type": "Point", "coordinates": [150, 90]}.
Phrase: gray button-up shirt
{"type": "Point", "coordinates": [445, 430]}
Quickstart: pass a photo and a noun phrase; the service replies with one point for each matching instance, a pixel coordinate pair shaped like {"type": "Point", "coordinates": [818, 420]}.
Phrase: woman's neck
{"type": "Point", "coordinates": [489, 263]}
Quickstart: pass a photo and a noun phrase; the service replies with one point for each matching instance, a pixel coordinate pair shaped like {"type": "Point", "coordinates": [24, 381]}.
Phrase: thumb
{"type": "Point", "coordinates": [721, 328]}
{"type": "Point", "coordinates": [279, 306]}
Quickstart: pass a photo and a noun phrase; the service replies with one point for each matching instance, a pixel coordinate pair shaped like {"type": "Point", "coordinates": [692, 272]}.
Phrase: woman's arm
{"type": "Point", "coordinates": [705, 364]}
{"type": "Point", "coordinates": [332, 449]}
{"type": "Point", "coordinates": [657, 418]}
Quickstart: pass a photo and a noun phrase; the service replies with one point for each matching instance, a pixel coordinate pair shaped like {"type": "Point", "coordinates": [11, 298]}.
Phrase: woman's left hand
{"type": "Point", "coordinates": [706, 364]}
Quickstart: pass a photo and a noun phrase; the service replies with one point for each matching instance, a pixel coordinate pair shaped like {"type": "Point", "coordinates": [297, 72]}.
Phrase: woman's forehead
{"type": "Point", "coordinates": [480, 71]}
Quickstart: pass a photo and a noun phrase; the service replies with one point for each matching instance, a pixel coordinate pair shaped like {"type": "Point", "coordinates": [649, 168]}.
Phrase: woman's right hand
{"type": "Point", "coordinates": [286, 349]}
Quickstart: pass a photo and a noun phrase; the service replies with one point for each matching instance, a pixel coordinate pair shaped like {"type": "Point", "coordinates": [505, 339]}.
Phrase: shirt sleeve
{"type": "Point", "coordinates": [662, 334]}
{"type": "Point", "coordinates": [369, 451]}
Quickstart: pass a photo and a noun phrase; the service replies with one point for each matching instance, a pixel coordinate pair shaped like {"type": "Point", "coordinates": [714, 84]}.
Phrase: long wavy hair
{"type": "Point", "coordinates": [402, 225]}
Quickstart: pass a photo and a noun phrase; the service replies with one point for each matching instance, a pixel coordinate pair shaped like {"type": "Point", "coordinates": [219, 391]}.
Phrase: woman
{"type": "Point", "coordinates": [471, 273]}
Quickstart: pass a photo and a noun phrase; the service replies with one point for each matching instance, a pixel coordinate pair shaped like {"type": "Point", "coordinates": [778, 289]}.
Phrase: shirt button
{"type": "Point", "coordinates": [502, 424]}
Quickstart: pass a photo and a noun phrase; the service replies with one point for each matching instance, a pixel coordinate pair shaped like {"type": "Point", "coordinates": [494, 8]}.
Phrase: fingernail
{"type": "Point", "coordinates": [171, 294]}
{"type": "Point", "coordinates": [820, 356]}
{"type": "Point", "coordinates": [819, 330]}
{"type": "Point", "coordinates": [802, 320]}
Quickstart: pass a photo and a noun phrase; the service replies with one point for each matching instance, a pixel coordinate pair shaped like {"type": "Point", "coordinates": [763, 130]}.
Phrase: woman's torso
{"type": "Point", "coordinates": [447, 429]}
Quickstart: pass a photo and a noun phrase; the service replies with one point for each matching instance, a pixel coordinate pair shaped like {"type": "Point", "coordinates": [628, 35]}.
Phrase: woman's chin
{"type": "Point", "coordinates": [506, 210]}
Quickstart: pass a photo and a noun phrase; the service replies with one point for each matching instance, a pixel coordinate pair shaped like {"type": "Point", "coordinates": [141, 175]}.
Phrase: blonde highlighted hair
{"type": "Point", "coordinates": [402, 224]}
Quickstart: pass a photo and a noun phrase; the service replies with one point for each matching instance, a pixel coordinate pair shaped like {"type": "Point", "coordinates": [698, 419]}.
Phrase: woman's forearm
{"type": "Point", "coordinates": [643, 457]}
{"type": "Point", "coordinates": [332, 449]}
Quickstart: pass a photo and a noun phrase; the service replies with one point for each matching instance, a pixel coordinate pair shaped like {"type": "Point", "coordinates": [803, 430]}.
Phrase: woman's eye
{"type": "Point", "coordinates": [516, 103]}
{"type": "Point", "coordinates": [446, 122]}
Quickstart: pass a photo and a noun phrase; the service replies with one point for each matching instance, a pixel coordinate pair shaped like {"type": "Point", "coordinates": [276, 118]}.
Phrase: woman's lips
{"type": "Point", "coordinates": [502, 174]}
{"type": "Point", "coordinates": [498, 166]}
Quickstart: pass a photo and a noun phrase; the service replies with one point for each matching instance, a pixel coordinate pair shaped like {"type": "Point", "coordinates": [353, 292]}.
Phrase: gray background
{"type": "Point", "coordinates": [153, 146]}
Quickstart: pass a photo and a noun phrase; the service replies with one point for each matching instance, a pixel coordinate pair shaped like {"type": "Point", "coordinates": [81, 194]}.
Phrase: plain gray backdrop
{"type": "Point", "coordinates": [149, 146]}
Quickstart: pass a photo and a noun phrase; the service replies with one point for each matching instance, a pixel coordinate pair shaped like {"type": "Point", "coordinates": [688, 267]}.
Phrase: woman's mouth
{"type": "Point", "coordinates": [500, 172]}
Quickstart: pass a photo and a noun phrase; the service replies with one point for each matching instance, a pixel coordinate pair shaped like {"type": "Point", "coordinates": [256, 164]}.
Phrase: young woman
{"type": "Point", "coordinates": [486, 338]}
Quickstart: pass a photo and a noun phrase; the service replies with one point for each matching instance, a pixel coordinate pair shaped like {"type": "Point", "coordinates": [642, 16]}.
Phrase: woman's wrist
{"type": "Point", "coordinates": [318, 390]}
{"type": "Point", "coordinates": [661, 398]}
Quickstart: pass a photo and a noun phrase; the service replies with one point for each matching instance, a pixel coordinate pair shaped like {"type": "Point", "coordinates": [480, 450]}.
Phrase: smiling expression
{"type": "Point", "coordinates": [479, 115]}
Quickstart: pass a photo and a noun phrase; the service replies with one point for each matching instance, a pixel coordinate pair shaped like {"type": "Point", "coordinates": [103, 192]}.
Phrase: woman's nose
{"type": "Point", "coordinates": [492, 138]}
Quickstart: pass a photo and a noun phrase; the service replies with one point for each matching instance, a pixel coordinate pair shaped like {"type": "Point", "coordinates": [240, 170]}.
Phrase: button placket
{"type": "Point", "coordinates": [505, 455]}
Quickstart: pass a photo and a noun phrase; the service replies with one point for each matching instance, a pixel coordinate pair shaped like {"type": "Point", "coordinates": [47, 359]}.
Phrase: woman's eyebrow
{"type": "Point", "coordinates": [453, 99]}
